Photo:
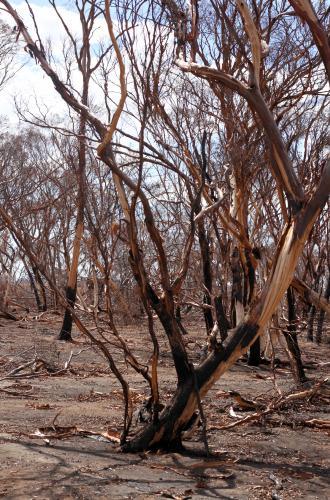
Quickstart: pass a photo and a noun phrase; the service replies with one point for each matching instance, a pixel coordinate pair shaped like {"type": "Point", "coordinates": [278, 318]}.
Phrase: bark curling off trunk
{"type": "Point", "coordinates": [178, 413]}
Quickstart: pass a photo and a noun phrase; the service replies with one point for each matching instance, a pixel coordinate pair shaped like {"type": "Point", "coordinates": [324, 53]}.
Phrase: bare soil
{"type": "Point", "coordinates": [277, 457]}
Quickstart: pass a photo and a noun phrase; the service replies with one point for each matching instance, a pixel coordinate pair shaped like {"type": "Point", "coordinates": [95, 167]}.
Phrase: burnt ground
{"type": "Point", "coordinates": [276, 457]}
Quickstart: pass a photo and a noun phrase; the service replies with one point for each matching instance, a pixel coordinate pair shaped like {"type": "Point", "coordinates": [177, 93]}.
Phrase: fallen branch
{"type": "Point", "coordinates": [13, 372]}
{"type": "Point", "coordinates": [39, 316]}
{"type": "Point", "coordinates": [315, 423]}
{"type": "Point", "coordinates": [318, 423]}
{"type": "Point", "coordinates": [37, 363]}
{"type": "Point", "coordinates": [274, 405]}
{"type": "Point", "coordinates": [15, 393]}
{"type": "Point", "coordinates": [243, 403]}
{"type": "Point", "coordinates": [60, 432]}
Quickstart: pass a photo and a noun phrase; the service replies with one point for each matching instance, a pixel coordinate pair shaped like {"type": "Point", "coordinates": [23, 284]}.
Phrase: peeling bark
{"type": "Point", "coordinates": [167, 431]}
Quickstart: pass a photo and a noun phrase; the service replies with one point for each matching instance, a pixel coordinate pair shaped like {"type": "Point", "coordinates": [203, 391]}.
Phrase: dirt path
{"type": "Point", "coordinates": [267, 459]}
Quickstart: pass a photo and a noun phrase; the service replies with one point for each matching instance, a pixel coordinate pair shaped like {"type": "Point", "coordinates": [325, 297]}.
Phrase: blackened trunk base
{"type": "Point", "coordinates": [310, 327]}
{"type": "Point", "coordinates": [34, 289]}
{"type": "Point", "coordinates": [66, 330]}
{"type": "Point", "coordinates": [292, 340]}
{"type": "Point", "coordinates": [320, 323]}
{"type": "Point", "coordinates": [254, 357]}
{"type": "Point", "coordinates": [166, 433]}
{"type": "Point", "coordinates": [295, 357]}
{"type": "Point", "coordinates": [222, 321]}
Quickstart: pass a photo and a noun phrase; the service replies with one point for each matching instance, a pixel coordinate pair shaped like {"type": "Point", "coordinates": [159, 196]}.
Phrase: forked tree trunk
{"type": "Point", "coordinates": [167, 431]}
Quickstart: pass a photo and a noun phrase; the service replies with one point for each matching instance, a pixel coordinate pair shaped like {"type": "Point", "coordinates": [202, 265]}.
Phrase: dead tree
{"type": "Point", "coordinates": [301, 211]}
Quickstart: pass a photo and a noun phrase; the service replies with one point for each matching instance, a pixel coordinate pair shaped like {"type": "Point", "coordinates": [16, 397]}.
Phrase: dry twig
{"type": "Point", "coordinates": [275, 405]}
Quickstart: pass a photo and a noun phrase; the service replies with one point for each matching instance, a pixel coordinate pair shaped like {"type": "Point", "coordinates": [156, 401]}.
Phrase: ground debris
{"type": "Point", "coordinates": [64, 432]}
{"type": "Point", "coordinates": [276, 404]}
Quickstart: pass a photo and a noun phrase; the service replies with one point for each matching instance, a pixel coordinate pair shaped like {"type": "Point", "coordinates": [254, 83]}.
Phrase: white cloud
{"type": "Point", "coordinates": [31, 87]}
{"type": "Point", "coordinates": [31, 83]}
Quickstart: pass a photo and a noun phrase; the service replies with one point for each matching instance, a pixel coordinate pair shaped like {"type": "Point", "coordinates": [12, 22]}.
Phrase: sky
{"type": "Point", "coordinates": [30, 84]}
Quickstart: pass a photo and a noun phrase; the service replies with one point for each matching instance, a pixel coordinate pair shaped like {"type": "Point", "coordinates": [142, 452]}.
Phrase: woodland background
{"type": "Point", "coordinates": [176, 183]}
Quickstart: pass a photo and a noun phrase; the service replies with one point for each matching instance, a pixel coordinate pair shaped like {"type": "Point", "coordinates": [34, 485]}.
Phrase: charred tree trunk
{"type": "Point", "coordinates": [222, 320]}
{"type": "Point", "coordinates": [167, 431]}
{"type": "Point", "coordinates": [179, 320]}
{"type": "Point", "coordinates": [320, 322]}
{"type": "Point", "coordinates": [71, 289]}
{"type": "Point", "coordinates": [237, 308]}
{"type": "Point", "coordinates": [33, 284]}
{"type": "Point", "coordinates": [207, 276]}
{"type": "Point", "coordinates": [41, 287]}
{"type": "Point", "coordinates": [310, 324]}
{"type": "Point", "coordinates": [292, 340]}
{"type": "Point", "coordinates": [70, 293]}
{"type": "Point", "coordinates": [242, 296]}
{"type": "Point", "coordinates": [34, 289]}
{"type": "Point", "coordinates": [65, 333]}
{"type": "Point", "coordinates": [254, 356]}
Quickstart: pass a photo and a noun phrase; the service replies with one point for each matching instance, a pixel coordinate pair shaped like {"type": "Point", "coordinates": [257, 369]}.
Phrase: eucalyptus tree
{"type": "Point", "coordinates": [202, 35]}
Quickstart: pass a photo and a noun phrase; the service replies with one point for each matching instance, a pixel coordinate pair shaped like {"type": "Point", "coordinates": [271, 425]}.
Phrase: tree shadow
{"type": "Point", "coordinates": [59, 469]}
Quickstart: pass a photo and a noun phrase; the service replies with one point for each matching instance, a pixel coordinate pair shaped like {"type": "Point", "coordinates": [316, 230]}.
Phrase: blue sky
{"type": "Point", "coordinates": [65, 3]}
{"type": "Point", "coordinates": [31, 84]}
